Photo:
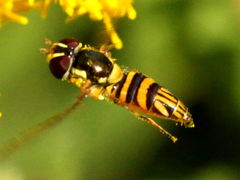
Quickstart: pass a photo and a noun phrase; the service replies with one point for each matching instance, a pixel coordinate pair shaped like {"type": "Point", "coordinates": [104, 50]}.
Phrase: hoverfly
{"type": "Point", "coordinates": [98, 76]}
{"type": "Point", "coordinates": [96, 73]}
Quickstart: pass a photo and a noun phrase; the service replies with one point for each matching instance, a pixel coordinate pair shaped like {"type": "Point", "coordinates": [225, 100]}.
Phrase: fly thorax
{"type": "Point", "coordinates": [94, 65]}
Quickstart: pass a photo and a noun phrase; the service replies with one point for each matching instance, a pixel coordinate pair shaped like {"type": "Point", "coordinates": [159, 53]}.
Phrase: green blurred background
{"type": "Point", "coordinates": [190, 47]}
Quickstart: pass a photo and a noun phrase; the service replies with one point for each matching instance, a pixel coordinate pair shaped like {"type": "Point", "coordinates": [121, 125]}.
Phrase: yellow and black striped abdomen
{"type": "Point", "coordinates": [140, 93]}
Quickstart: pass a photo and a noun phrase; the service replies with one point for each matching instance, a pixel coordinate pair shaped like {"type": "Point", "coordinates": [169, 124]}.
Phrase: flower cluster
{"type": "Point", "coordinates": [100, 10]}
{"type": "Point", "coordinates": [10, 9]}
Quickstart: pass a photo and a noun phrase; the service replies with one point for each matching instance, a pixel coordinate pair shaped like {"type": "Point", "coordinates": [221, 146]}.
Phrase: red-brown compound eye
{"type": "Point", "coordinates": [59, 66]}
{"type": "Point", "coordinates": [70, 42]}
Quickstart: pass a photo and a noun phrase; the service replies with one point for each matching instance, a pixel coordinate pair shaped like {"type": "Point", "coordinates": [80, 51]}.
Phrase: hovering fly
{"type": "Point", "coordinates": [96, 73]}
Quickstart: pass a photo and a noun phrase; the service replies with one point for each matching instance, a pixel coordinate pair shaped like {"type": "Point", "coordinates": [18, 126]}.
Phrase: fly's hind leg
{"type": "Point", "coordinates": [152, 122]}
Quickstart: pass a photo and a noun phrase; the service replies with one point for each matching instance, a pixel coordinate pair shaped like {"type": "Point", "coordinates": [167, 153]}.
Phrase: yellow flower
{"type": "Point", "coordinates": [103, 10]}
{"type": "Point", "coordinates": [9, 10]}
{"type": "Point", "coordinates": [100, 10]}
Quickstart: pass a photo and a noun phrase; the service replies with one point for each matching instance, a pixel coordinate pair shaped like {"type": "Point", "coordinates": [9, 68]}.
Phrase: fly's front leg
{"type": "Point", "coordinates": [152, 122]}
{"type": "Point", "coordinates": [18, 141]}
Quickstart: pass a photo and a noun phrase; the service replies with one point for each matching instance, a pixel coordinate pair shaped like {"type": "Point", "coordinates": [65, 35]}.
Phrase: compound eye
{"type": "Point", "coordinates": [59, 66]}
{"type": "Point", "coordinates": [70, 42]}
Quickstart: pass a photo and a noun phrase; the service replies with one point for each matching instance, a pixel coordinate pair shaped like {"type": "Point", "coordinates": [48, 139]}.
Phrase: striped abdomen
{"type": "Point", "coordinates": [140, 93]}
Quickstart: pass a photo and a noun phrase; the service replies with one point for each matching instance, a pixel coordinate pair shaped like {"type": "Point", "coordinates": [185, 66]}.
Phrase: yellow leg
{"type": "Point", "coordinates": [152, 122]}
{"type": "Point", "coordinates": [96, 93]}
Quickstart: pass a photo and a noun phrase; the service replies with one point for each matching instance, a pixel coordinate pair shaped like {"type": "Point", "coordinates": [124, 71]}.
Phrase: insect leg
{"type": "Point", "coordinates": [152, 122]}
{"type": "Point", "coordinates": [97, 93]}
{"type": "Point", "coordinates": [18, 141]}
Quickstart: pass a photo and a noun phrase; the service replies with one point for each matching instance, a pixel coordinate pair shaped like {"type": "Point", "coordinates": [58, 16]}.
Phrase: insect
{"type": "Point", "coordinates": [100, 77]}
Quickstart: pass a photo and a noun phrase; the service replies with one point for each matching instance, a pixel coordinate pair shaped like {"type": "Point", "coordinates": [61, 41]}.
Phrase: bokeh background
{"type": "Point", "coordinates": [190, 47]}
